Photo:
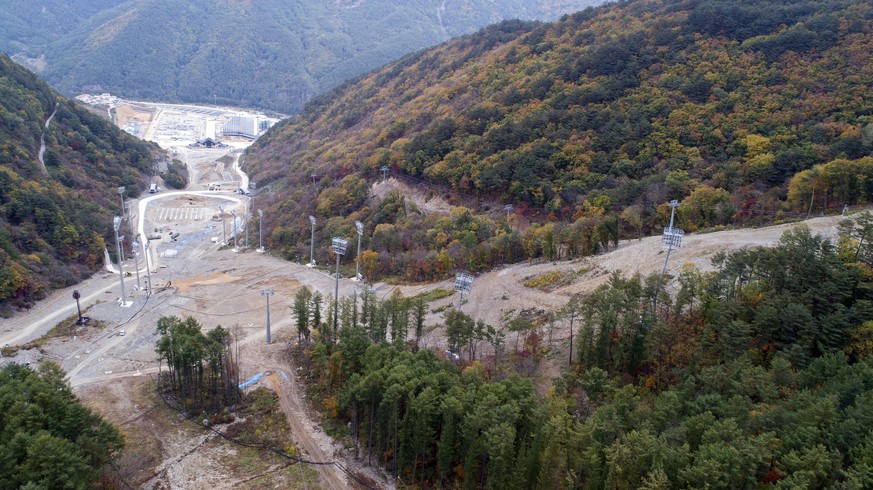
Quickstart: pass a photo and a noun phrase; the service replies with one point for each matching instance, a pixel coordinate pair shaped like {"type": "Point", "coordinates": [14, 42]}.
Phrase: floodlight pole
{"type": "Point", "coordinates": [261, 230]}
{"type": "Point", "coordinates": [121, 195]}
{"type": "Point", "coordinates": [463, 284]}
{"type": "Point", "coordinates": [253, 187]}
{"type": "Point", "coordinates": [136, 263]}
{"type": "Point", "coordinates": [267, 293]}
{"type": "Point", "coordinates": [673, 204]}
{"type": "Point", "coordinates": [235, 243]}
{"type": "Point", "coordinates": [76, 297]}
{"type": "Point", "coordinates": [384, 170]}
{"type": "Point", "coordinates": [339, 248]}
{"type": "Point", "coordinates": [116, 225]}
{"type": "Point", "coordinates": [508, 208]}
{"type": "Point", "coordinates": [312, 243]}
{"type": "Point", "coordinates": [336, 295]}
{"type": "Point", "coordinates": [145, 244]}
{"type": "Point", "coordinates": [360, 227]}
{"type": "Point", "coordinates": [223, 227]}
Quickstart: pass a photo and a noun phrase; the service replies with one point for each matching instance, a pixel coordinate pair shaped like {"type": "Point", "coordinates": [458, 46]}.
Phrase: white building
{"type": "Point", "coordinates": [246, 127]}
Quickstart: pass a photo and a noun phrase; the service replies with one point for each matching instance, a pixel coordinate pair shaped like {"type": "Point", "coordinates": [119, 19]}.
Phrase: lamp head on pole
{"type": "Point", "coordinates": [116, 222]}
{"type": "Point", "coordinates": [121, 190]}
{"type": "Point", "coordinates": [360, 227]}
{"type": "Point", "coordinates": [260, 213]}
{"type": "Point", "coordinates": [463, 282]}
{"type": "Point", "coordinates": [312, 219]}
{"type": "Point", "coordinates": [339, 245]}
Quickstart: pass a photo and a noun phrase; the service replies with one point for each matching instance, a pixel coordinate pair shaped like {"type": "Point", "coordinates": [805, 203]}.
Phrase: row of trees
{"type": "Point", "coordinates": [754, 374]}
{"type": "Point", "coordinates": [379, 321]}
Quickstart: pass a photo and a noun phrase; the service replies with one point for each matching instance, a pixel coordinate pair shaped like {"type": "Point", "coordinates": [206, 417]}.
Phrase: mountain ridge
{"type": "Point", "coordinates": [272, 54]}
{"type": "Point", "coordinates": [588, 126]}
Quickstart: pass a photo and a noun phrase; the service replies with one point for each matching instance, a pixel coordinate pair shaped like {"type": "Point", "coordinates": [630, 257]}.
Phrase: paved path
{"type": "Point", "coordinates": [42, 141]}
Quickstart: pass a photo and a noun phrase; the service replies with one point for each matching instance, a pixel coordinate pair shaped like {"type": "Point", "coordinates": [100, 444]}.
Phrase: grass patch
{"type": "Point", "coordinates": [551, 280]}
{"type": "Point", "coordinates": [263, 422]}
{"type": "Point", "coordinates": [65, 328]}
{"type": "Point", "coordinates": [437, 311]}
{"type": "Point", "coordinates": [433, 294]}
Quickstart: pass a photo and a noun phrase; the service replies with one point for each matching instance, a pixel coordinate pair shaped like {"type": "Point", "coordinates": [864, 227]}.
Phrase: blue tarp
{"type": "Point", "coordinates": [254, 379]}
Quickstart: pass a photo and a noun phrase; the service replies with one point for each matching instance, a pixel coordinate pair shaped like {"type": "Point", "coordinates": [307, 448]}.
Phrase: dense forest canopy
{"type": "Point", "coordinates": [757, 374]}
{"type": "Point", "coordinates": [27, 26]}
{"type": "Point", "coordinates": [47, 438]}
{"type": "Point", "coordinates": [272, 54]}
{"type": "Point", "coordinates": [54, 218]}
{"type": "Point", "coordinates": [745, 111]}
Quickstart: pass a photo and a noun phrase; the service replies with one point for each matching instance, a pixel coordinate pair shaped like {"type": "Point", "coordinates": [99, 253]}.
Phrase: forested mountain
{"type": "Point", "coordinates": [273, 54]}
{"type": "Point", "coordinates": [758, 374]}
{"type": "Point", "coordinates": [31, 26]}
{"type": "Point", "coordinates": [54, 217]}
{"type": "Point", "coordinates": [745, 111]}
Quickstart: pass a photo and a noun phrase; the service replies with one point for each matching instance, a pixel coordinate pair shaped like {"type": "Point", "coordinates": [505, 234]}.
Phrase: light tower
{"type": "Point", "coordinates": [223, 227]}
{"type": "Point", "coordinates": [672, 237]}
{"type": "Point", "coordinates": [384, 170]}
{"type": "Point", "coordinates": [145, 244]}
{"type": "Point", "coordinates": [360, 227]}
{"type": "Point", "coordinates": [313, 175]}
{"type": "Point", "coordinates": [339, 248]}
{"type": "Point", "coordinates": [463, 285]}
{"type": "Point", "coordinates": [121, 195]}
{"type": "Point", "coordinates": [233, 229]}
{"type": "Point", "coordinates": [135, 250]}
{"type": "Point", "coordinates": [267, 293]}
{"type": "Point", "coordinates": [76, 297]}
{"type": "Point", "coordinates": [247, 211]}
{"type": "Point", "coordinates": [312, 243]}
{"type": "Point", "coordinates": [508, 208]}
{"type": "Point", "coordinates": [116, 224]}
{"type": "Point", "coordinates": [261, 230]}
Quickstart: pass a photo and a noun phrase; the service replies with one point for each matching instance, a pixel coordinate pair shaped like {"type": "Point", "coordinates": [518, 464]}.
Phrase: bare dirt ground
{"type": "Point", "coordinates": [427, 202]}
{"type": "Point", "coordinates": [113, 371]}
{"type": "Point", "coordinates": [126, 113]}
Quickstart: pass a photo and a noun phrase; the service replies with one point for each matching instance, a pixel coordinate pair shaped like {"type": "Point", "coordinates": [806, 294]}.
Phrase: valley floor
{"type": "Point", "coordinates": [113, 368]}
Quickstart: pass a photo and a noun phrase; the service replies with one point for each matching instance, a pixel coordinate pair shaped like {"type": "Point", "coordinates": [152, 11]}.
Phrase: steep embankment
{"type": "Point", "coordinates": [56, 211]}
{"type": "Point", "coordinates": [746, 113]}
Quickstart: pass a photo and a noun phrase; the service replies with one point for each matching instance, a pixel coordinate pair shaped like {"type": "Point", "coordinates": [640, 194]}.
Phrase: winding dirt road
{"type": "Point", "coordinates": [290, 401]}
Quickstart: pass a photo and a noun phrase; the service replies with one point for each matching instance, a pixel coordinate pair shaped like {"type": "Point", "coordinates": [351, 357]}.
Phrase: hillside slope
{"type": "Point", "coordinates": [273, 54]}
{"type": "Point", "coordinates": [31, 26]}
{"type": "Point", "coordinates": [747, 113]}
{"type": "Point", "coordinates": [54, 217]}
